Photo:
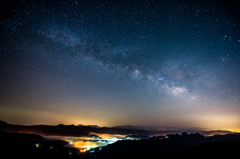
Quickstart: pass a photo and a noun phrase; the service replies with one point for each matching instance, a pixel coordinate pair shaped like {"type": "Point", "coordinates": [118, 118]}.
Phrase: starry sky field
{"type": "Point", "coordinates": [147, 63]}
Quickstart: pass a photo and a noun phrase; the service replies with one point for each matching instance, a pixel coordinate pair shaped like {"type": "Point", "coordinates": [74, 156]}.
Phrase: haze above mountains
{"type": "Point", "coordinates": [87, 130]}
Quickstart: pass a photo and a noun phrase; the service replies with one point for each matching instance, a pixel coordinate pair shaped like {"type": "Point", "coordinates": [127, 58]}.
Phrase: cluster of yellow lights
{"type": "Point", "coordinates": [85, 146]}
{"type": "Point", "coordinates": [82, 150]}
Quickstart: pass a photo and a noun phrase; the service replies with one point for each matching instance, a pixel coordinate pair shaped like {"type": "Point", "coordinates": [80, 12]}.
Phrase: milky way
{"type": "Point", "coordinates": [149, 63]}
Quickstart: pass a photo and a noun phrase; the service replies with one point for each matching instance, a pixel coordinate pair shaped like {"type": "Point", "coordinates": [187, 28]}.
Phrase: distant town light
{"type": "Point", "coordinates": [37, 145]}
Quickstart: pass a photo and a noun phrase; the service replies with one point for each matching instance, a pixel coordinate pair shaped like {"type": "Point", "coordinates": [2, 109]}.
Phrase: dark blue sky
{"type": "Point", "coordinates": [150, 63]}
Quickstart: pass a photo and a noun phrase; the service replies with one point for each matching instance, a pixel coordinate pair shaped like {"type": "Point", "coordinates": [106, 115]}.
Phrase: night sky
{"type": "Point", "coordinates": [144, 62]}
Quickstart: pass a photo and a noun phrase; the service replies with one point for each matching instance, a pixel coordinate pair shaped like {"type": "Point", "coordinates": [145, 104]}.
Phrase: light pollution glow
{"type": "Point", "coordinates": [208, 119]}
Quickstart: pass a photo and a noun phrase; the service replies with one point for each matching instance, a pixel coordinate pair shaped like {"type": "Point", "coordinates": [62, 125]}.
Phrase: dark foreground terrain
{"type": "Point", "coordinates": [22, 145]}
{"type": "Point", "coordinates": [176, 146]}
